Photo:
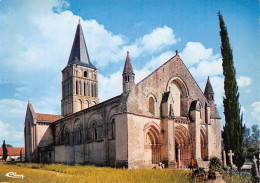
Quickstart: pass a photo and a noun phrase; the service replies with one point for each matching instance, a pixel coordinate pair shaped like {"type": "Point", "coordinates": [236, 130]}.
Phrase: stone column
{"type": "Point", "coordinates": [197, 136]}
{"type": "Point", "coordinates": [171, 144]}
{"type": "Point", "coordinates": [179, 156]}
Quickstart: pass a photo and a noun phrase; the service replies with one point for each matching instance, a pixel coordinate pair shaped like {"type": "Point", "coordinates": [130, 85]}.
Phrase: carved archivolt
{"type": "Point", "coordinates": [152, 134]}
{"type": "Point", "coordinates": [181, 135]}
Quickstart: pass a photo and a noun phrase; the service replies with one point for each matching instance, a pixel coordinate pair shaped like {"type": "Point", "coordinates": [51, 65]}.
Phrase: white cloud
{"type": "Point", "coordinates": [11, 135]}
{"type": "Point", "coordinates": [110, 86]}
{"type": "Point", "coordinates": [62, 6]}
{"type": "Point", "coordinates": [159, 60]}
{"type": "Point", "coordinates": [207, 68]}
{"type": "Point", "coordinates": [244, 81]}
{"type": "Point", "coordinates": [256, 111]}
{"type": "Point", "coordinates": [158, 39]}
{"type": "Point", "coordinates": [12, 107]}
{"type": "Point", "coordinates": [195, 52]}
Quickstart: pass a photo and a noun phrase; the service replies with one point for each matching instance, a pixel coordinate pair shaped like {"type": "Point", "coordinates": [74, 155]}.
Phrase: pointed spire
{"type": "Point", "coordinates": [208, 88]}
{"type": "Point", "coordinates": [79, 52]}
{"type": "Point", "coordinates": [128, 69]}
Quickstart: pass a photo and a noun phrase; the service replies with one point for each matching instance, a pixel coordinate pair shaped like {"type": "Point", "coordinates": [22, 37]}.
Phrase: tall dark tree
{"type": "Point", "coordinates": [233, 130]}
{"type": "Point", "coordinates": [5, 151]}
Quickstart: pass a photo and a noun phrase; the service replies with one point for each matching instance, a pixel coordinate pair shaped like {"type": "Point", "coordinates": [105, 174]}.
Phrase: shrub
{"type": "Point", "coordinates": [215, 164]}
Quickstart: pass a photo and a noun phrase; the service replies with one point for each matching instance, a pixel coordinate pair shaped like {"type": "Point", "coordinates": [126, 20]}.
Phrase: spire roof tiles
{"type": "Point", "coordinates": [208, 88]}
{"type": "Point", "coordinates": [128, 69]}
{"type": "Point", "coordinates": [79, 52]}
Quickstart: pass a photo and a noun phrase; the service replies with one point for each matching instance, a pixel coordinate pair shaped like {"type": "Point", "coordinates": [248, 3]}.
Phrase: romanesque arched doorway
{"type": "Point", "coordinates": [152, 146]}
{"type": "Point", "coordinates": [182, 147]}
{"type": "Point", "coordinates": [203, 145]}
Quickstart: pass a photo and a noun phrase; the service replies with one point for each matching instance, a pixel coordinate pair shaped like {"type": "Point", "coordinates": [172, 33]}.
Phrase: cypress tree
{"type": "Point", "coordinates": [233, 129]}
{"type": "Point", "coordinates": [5, 151]}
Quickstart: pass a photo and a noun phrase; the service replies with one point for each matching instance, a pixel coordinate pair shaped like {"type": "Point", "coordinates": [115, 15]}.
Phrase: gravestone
{"type": "Point", "coordinates": [246, 168]}
{"type": "Point", "coordinates": [230, 155]}
{"type": "Point", "coordinates": [255, 172]}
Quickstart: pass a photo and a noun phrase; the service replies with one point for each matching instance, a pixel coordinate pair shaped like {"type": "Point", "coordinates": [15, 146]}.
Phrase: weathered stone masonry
{"type": "Point", "coordinates": [163, 118]}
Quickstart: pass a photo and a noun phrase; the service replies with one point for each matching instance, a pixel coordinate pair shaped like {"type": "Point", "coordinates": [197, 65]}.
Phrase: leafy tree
{"type": "Point", "coordinates": [9, 145]}
{"type": "Point", "coordinates": [5, 151]}
{"type": "Point", "coordinates": [215, 163]}
{"type": "Point", "coordinates": [252, 141]}
{"type": "Point", "coordinates": [246, 134]}
{"type": "Point", "coordinates": [255, 133]}
{"type": "Point", "coordinates": [233, 138]}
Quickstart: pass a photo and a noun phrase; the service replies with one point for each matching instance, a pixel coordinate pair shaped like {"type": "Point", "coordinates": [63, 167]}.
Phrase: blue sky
{"type": "Point", "coordinates": [36, 37]}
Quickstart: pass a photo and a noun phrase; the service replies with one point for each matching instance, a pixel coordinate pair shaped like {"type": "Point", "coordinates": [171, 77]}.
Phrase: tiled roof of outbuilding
{"type": "Point", "coordinates": [13, 151]}
{"type": "Point", "coordinates": [47, 117]}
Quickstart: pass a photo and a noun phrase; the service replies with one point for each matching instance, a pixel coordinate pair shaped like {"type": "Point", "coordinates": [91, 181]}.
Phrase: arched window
{"type": "Point", "coordinates": [94, 132]}
{"type": "Point", "coordinates": [80, 87]}
{"type": "Point", "coordinates": [77, 73]}
{"type": "Point", "coordinates": [113, 129]}
{"type": "Point", "coordinates": [85, 74]}
{"type": "Point", "coordinates": [67, 136]}
{"type": "Point", "coordinates": [151, 105]}
{"type": "Point", "coordinates": [79, 134]}
{"type": "Point", "coordinates": [94, 90]}
{"type": "Point", "coordinates": [95, 76]}
{"type": "Point", "coordinates": [77, 88]}
{"type": "Point", "coordinates": [84, 89]}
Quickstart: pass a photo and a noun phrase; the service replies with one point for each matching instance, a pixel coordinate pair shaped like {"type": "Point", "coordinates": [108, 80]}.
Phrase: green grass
{"type": "Point", "coordinates": [65, 173]}
{"type": "Point", "coordinates": [235, 178]}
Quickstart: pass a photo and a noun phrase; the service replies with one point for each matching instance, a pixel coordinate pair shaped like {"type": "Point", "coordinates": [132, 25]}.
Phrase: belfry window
{"type": "Point", "coordinates": [84, 89]}
{"type": "Point", "coordinates": [77, 87]}
{"type": "Point", "coordinates": [80, 89]}
{"type": "Point", "coordinates": [85, 74]}
{"type": "Point", "coordinates": [151, 105]}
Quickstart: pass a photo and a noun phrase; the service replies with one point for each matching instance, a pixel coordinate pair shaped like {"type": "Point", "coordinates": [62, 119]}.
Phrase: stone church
{"type": "Point", "coordinates": [164, 118]}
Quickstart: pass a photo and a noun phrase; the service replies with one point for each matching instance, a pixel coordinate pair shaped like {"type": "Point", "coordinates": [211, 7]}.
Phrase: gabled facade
{"type": "Point", "coordinates": [163, 118]}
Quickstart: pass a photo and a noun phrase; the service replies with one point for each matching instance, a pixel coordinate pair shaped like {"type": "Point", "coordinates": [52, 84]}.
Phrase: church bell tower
{"type": "Point", "coordinates": [79, 78]}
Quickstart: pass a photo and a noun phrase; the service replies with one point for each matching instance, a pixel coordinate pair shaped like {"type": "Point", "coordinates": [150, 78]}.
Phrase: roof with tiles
{"type": "Point", "coordinates": [47, 117]}
{"type": "Point", "coordinates": [208, 88]}
{"type": "Point", "coordinates": [13, 151]}
{"type": "Point", "coordinates": [128, 69]}
{"type": "Point", "coordinates": [79, 52]}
